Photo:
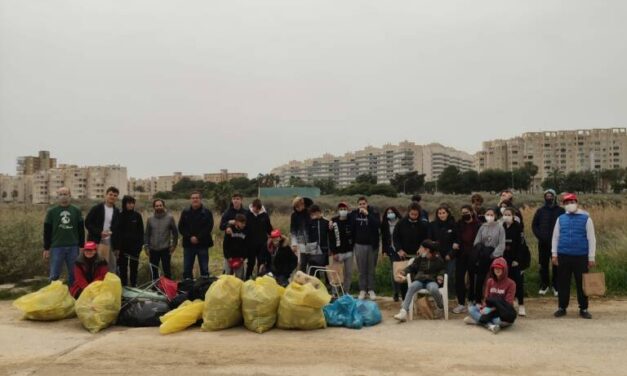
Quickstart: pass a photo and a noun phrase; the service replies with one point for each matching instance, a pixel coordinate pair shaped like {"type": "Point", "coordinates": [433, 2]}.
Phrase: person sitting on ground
{"type": "Point", "coordinates": [235, 247]}
{"type": "Point", "coordinates": [427, 271]}
{"type": "Point", "coordinates": [283, 258]}
{"type": "Point", "coordinates": [89, 267]}
{"type": "Point", "coordinates": [498, 310]}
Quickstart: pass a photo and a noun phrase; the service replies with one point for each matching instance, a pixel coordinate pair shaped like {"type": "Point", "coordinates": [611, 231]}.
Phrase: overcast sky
{"type": "Point", "coordinates": [195, 86]}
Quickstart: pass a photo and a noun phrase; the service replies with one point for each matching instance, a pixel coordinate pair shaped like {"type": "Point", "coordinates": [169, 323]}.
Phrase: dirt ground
{"type": "Point", "coordinates": [536, 345]}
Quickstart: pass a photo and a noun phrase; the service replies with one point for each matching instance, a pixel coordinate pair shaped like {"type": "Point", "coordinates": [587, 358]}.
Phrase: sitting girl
{"type": "Point", "coordinates": [89, 267]}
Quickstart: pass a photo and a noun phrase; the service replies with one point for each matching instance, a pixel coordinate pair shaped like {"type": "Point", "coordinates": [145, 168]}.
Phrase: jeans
{"type": "Point", "coordinates": [189, 256]}
{"type": "Point", "coordinates": [164, 256]}
{"type": "Point", "coordinates": [60, 256]}
{"type": "Point", "coordinates": [474, 312]}
{"type": "Point", "coordinates": [366, 258]}
{"type": "Point", "coordinates": [432, 287]}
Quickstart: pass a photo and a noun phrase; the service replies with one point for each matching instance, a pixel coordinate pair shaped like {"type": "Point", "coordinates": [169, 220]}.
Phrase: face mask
{"type": "Point", "coordinates": [548, 202]}
{"type": "Point", "coordinates": [391, 216]}
{"type": "Point", "coordinates": [466, 217]}
{"type": "Point", "coordinates": [343, 213]}
{"type": "Point", "coordinates": [489, 218]}
{"type": "Point", "coordinates": [502, 210]}
{"type": "Point", "coordinates": [571, 208]}
{"type": "Point", "coordinates": [508, 219]}
{"type": "Point", "coordinates": [276, 242]}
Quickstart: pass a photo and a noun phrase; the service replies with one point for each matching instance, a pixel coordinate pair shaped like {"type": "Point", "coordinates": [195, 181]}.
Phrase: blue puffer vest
{"type": "Point", "coordinates": [573, 239]}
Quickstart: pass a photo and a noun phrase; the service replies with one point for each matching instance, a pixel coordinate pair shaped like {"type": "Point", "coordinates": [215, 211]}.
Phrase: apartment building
{"type": "Point", "coordinates": [383, 162]}
{"type": "Point", "coordinates": [573, 150]}
{"type": "Point", "coordinates": [29, 165]}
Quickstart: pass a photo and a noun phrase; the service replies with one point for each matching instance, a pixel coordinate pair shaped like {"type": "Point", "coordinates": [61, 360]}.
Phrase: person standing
{"type": "Point", "coordinates": [424, 215]}
{"type": "Point", "coordinates": [467, 227]}
{"type": "Point", "coordinates": [389, 219]}
{"type": "Point", "coordinates": [235, 208]}
{"type": "Point", "coordinates": [513, 255]}
{"type": "Point", "coordinates": [299, 225]}
{"type": "Point", "coordinates": [342, 238]}
{"type": "Point", "coordinates": [160, 239]}
{"type": "Point", "coordinates": [64, 235]}
{"type": "Point", "coordinates": [573, 252]}
{"type": "Point", "coordinates": [476, 200]}
{"type": "Point", "coordinates": [101, 223]}
{"type": "Point", "coordinates": [235, 248]}
{"type": "Point", "coordinates": [443, 230]}
{"type": "Point", "coordinates": [543, 224]}
{"type": "Point", "coordinates": [365, 226]}
{"type": "Point", "coordinates": [489, 244]}
{"type": "Point", "coordinates": [258, 229]}
{"type": "Point", "coordinates": [129, 240]}
{"type": "Point", "coordinates": [195, 226]}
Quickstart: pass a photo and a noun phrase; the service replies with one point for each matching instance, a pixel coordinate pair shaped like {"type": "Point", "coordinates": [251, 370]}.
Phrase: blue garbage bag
{"type": "Point", "coordinates": [343, 312]}
{"type": "Point", "coordinates": [369, 312]}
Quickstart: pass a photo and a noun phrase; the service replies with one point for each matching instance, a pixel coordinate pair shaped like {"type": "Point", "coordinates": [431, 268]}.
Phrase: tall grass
{"type": "Point", "coordinates": [21, 237]}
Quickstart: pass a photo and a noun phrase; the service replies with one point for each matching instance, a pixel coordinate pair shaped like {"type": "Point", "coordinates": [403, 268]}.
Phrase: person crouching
{"type": "Point", "coordinates": [283, 259]}
{"type": "Point", "coordinates": [497, 310]}
{"type": "Point", "coordinates": [89, 267]}
{"type": "Point", "coordinates": [427, 271]}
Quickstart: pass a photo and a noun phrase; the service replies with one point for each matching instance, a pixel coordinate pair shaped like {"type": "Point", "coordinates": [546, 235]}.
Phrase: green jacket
{"type": "Point", "coordinates": [423, 269]}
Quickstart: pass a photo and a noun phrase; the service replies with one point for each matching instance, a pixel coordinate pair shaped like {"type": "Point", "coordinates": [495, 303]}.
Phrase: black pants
{"type": "Point", "coordinates": [164, 257]}
{"type": "Point", "coordinates": [569, 265]}
{"type": "Point", "coordinates": [516, 275]}
{"type": "Point", "coordinates": [482, 270]}
{"type": "Point", "coordinates": [124, 262]}
{"type": "Point", "coordinates": [462, 267]}
{"type": "Point", "coordinates": [544, 260]}
{"type": "Point", "coordinates": [257, 254]}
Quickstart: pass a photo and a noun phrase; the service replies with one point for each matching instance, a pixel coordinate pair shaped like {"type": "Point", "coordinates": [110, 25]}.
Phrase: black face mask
{"type": "Point", "coordinates": [466, 217]}
{"type": "Point", "coordinates": [548, 202]}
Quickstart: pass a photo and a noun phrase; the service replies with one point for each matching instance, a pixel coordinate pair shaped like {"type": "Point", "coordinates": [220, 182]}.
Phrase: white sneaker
{"type": "Point", "coordinates": [362, 295]}
{"type": "Point", "coordinates": [521, 311]}
{"type": "Point", "coordinates": [543, 291]}
{"type": "Point", "coordinates": [371, 295]}
{"type": "Point", "coordinates": [494, 328]}
{"type": "Point", "coordinates": [459, 309]}
{"type": "Point", "coordinates": [555, 293]}
{"type": "Point", "coordinates": [401, 316]}
{"type": "Point", "coordinates": [469, 320]}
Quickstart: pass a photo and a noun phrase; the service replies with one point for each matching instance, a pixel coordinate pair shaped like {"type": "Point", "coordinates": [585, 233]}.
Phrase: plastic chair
{"type": "Point", "coordinates": [443, 292]}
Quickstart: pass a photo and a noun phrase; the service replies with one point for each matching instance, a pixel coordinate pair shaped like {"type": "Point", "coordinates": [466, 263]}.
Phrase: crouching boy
{"type": "Point", "coordinates": [89, 267]}
{"type": "Point", "coordinates": [497, 310]}
{"type": "Point", "coordinates": [427, 271]}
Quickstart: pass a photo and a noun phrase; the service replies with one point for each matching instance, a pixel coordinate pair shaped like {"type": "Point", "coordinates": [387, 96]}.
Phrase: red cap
{"type": "Point", "coordinates": [91, 246]}
{"type": "Point", "coordinates": [235, 262]}
{"type": "Point", "coordinates": [570, 197]}
{"type": "Point", "coordinates": [276, 233]}
{"type": "Point", "coordinates": [342, 205]}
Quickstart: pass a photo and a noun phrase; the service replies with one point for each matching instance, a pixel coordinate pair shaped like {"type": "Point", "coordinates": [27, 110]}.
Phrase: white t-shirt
{"type": "Point", "coordinates": [108, 218]}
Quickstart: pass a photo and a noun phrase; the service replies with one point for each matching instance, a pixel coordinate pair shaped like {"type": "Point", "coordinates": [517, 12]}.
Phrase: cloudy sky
{"type": "Point", "coordinates": [198, 85]}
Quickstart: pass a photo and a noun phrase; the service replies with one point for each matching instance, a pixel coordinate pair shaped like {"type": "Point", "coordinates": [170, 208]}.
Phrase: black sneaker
{"type": "Point", "coordinates": [560, 312]}
{"type": "Point", "coordinates": [584, 314]}
{"type": "Point", "coordinates": [396, 298]}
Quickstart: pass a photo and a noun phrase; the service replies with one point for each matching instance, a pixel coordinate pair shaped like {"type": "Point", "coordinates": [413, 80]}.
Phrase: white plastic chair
{"type": "Point", "coordinates": [443, 292]}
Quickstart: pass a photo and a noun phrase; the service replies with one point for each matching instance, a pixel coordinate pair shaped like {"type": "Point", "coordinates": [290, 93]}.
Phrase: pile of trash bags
{"type": "Point", "coordinates": [49, 303]}
{"type": "Point", "coordinates": [352, 313]}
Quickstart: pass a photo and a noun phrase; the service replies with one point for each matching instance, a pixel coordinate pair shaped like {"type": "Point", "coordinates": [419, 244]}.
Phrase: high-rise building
{"type": "Point", "coordinates": [384, 163]}
{"type": "Point", "coordinates": [29, 165]}
{"type": "Point", "coordinates": [576, 150]}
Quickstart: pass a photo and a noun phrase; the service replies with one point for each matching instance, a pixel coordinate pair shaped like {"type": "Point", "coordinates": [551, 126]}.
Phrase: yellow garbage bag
{"type": "Point", "coordinates": [223, 304]}
{"type": "Point", "coordinates": [301, 307]}
{"type": "Point", "coordinates": [181, 318]}
{"type": "Point", "coordinates": [49, 303]}
{"type": "Point", "coordinates": [260, 302]}
{"type": "Point", "coordinates": [99, 304]}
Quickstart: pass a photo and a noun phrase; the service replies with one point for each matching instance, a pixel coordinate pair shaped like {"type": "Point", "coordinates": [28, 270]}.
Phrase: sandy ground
{"type": "Point", "coordinates": [536, 345]}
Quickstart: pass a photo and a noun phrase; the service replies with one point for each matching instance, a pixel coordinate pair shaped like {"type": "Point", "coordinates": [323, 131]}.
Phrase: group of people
{"type": "Point", "coordinates": [484, 253]}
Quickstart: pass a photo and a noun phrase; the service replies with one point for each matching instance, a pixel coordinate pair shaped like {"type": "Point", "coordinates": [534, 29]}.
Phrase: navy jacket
{"type": "Point", "coordinates": [198, 223]}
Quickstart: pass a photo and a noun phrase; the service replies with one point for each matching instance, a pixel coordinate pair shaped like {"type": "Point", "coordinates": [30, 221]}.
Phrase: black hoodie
{"type": "Point", "coordinates": [409, 235]}
{"type": "Point", "coordinates": [445, 233]}
{"type": "Point", "coordinates": [365, 228]}
{"type": "Point", "coordinates": [229, 215]}
{"type": "Point", "coordinates": [284, 261]}
{"type": "Point", "coordinates": [129, 236]}
{"type": "Point", "coordinates": [236, 244]}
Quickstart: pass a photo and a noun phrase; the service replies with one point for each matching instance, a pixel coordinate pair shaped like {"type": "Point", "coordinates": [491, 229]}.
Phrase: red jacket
{"type": "Point", "coordinates": [83, 270]}
{"type": "Point", "coordinates": [503, 287]}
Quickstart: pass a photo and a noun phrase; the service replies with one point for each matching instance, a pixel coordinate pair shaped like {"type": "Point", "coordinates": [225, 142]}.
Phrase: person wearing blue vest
{"type": "Point", "coordinates": [573, 250]}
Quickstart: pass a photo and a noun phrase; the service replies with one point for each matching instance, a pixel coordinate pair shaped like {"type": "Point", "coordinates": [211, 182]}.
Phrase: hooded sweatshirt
{"type": "Point", "coordinates": [86, 271]}
{"type": "Point", "coordinates": [258, 227]}
{"type": "Point", "coordinates": [544, 221]}
{"type": "Point", "coordinates": [341, 235]}
{"type": "Point", "coordinates": [365, 228]}
{"type": "Point", "coordinates": [445, 233]}
{"type": "Point", "coordinates": [500, 288]}
{"type": "Point", "coordinates": [235, 245]}
{"type": "Point", "coordinates": [130, 234]}
{"type": "Point", "coordinates": [408, 235]}
{"type": "Point", "coordinates": [283, 260]}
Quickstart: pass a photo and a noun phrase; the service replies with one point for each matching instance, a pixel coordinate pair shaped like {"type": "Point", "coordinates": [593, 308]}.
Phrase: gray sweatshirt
{"type": "Point", "coordinates": [161, 232]}
{"type": "Point", "coordinates": [492, 235]}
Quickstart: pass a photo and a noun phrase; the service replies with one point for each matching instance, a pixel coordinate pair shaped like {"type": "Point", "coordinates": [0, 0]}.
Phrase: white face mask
{"type": "Point", "coordinates": [502, 210]}
{"type": "Point", "coordinates": [489, 218]}
{"type": "Point", "coordinates": [571, 208]}
{"type": "Point", "coordinates": [508, 219]}
{"type": "Point", "coordinates": [343, 213]}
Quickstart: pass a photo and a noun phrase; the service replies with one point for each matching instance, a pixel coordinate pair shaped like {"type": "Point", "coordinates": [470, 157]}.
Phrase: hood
{"type": "Point", "coordinates": [250, 208]}
{"type": "Point", "coordinates": [499, 261]}
{"type": "Point", "coordinates": [126, 200]}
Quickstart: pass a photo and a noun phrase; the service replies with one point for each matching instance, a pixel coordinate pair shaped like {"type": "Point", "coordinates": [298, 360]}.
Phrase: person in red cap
{"type": "Point", "coordinates": [89, 267]}
{"type": "Point", "coordinates": [497, 310]}
{"type": "Point", "coordinates": [283, 259]}
{"type": "Point", "coordinates": [236, 247]}
{"type": "Point", "coordinates": [573, 251]}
